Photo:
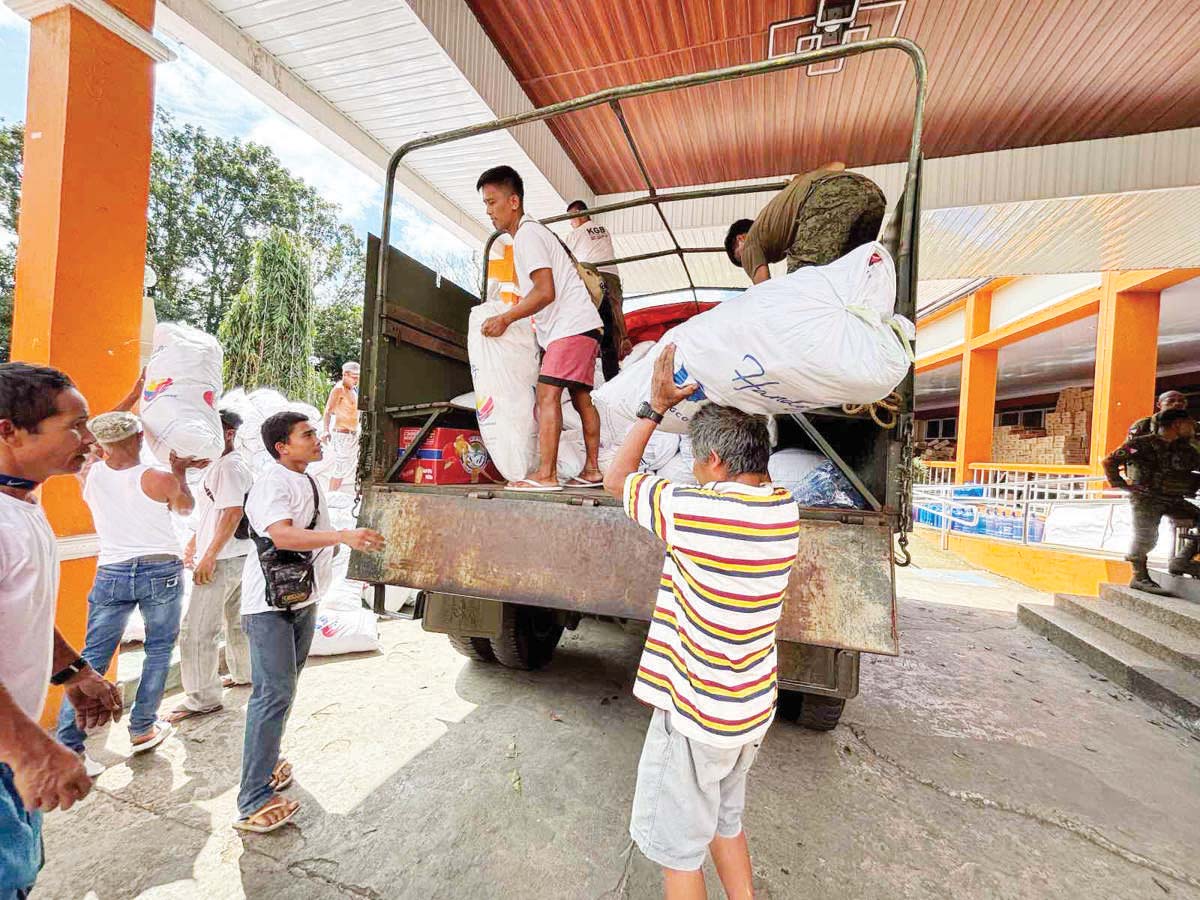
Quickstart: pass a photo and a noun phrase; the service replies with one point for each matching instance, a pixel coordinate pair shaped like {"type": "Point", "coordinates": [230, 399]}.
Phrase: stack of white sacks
{"type": "Point", "coordinates": [821, 336]}
{"type": "Point", "coordinates": [179, 412]}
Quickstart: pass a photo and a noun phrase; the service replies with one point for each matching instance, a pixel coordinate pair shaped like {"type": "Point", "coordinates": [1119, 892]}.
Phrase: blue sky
{"type": "Point", "coordinates": [195, 92]}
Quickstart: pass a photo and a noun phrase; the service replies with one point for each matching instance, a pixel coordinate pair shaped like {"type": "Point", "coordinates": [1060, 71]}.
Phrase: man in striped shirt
{"type": "Point", "coordinates": [709, 664]}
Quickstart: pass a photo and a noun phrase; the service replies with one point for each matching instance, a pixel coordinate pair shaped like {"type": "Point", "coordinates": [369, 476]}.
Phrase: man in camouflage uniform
{"type": "Point", "coordinates": [1149, 424]}
{"type": "Point", "coordinates": [1161, 470]}
{"type": "Point", "coordinates": [817, 218]}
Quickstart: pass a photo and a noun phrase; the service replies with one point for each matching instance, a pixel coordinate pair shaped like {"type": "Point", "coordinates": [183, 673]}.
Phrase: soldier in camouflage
{"type": "Point", "coordinates": [1149, 424]}
{"type": "Point", "coordinates": [819, 217]}
{"type": "Point", "coordinates": [1161, 471]}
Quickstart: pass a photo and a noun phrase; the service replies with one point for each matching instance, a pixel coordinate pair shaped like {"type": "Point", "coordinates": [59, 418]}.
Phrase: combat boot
{"type": "Point", "coordinates": [1143, 582]}
{"type": "Point", "coordinates": [1185, 563]}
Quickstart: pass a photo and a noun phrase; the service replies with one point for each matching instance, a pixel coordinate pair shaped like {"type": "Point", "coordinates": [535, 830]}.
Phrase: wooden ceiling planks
{"type": "Point", "coordinates": [1002, 75]}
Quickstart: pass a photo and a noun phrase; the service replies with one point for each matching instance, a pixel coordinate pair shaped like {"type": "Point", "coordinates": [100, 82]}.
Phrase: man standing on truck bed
{"type": "Point", "coordinates": [709, 666]}
{"type": "Point", "coordinates": [592, 243]}
{"type": "Point", "coordinates": [566, 324]}
{"type": "Point", "coordinates": [817, 218]}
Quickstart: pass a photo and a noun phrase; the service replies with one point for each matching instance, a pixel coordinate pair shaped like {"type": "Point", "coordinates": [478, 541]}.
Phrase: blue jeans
{"type": "Point", "coordinates": [155, 588]}
{"type": "Point", "coordinates": [20, 841]}
{"type": "Point", "coordinates": [279, 642]}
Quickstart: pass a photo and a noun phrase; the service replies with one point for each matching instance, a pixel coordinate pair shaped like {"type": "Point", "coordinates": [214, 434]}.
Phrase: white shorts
{"type": "Point", "coordinates": [345, 454]}
{"type": "Point", "coordinates": [687, 793]}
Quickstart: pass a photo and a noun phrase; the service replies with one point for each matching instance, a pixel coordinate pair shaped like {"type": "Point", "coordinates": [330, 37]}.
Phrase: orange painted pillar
{"type": "Point", "coordinates": [81, 250]}
{"type": "Point", "coordinates": [977, 390]}
{"type": "Point", "coordinates": [1126, 365]}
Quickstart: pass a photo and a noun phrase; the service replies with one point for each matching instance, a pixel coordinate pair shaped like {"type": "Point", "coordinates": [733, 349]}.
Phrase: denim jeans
{"type": "Point", "coordinates": [279, 642]}
{"type": "Point", "coordinates": [155, 588]}
{"type": "Point", "coordinates": [20, 840]}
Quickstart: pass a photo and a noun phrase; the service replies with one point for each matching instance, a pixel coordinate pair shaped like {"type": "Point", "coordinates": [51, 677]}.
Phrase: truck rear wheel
{"type": "Point", "coordinates": [813, 711]}
{"type": "Point", "coordinates": [528, 636]}
{"type": "Point", "coordinates": [476, 648]}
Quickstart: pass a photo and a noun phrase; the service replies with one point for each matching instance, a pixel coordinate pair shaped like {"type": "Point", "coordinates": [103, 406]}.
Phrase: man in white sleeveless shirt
{"type": "Point", "coordinates": [140, 565]}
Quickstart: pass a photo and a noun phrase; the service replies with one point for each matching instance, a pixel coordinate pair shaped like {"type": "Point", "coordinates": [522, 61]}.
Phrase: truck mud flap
{"type": "Point", "coordinates": [594, 560]}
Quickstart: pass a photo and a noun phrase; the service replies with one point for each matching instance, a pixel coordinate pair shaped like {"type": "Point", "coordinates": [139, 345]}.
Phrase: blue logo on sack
{"type": "Point", "coordinates": [681, 378]}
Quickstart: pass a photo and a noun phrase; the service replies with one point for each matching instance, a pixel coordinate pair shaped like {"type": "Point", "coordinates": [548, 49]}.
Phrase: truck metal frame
{"type": "Point", "coordinates": [553, 558]}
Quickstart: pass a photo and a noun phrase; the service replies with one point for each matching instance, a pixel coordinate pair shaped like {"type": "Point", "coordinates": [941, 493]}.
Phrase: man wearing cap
{"type": "Point", "coordinates": [342, 435]}
{"type": "Point", "coordinates": [140, 565]}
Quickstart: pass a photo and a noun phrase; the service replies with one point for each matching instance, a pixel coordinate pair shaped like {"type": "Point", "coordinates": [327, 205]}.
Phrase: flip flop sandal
{"type": "Point", "coordinates": [249, 823]}
{"type": "Point", "coordinates": [227, 682]}
{"type": "Point", "coordinates": [281, 778]}
{"type": "Point", "coordinates": [581, 483]}
{"type": "Point", "coordinates": [183, 713]}
{"type": "Point", "coordinates": [164, 731]}
{"type": "Point", "coordinates": [531, 487]}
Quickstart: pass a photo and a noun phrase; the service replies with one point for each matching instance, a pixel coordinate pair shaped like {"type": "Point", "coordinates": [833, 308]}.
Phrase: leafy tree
{"type": "Point", "coordinates": [8, 265]}
{"type": "Point", "coordinates": [12, 140]}
{"type": "Point", "coordinates": [267, 331]}
{"type": "Point", "coordinates": [337, 335]}
{"type": "Point", "coordinates": [210, 199]}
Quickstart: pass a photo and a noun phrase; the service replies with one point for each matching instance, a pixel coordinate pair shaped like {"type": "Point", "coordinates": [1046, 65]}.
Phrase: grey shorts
{"type": "Point", "coordinates": [687, 793]}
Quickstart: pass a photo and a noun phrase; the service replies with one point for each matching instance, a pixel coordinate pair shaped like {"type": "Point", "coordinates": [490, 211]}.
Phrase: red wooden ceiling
{"type": "Point", "coordinates": [1002, 74]}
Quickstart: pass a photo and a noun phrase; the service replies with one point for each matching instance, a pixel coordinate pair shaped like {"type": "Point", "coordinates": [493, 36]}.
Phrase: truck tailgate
{"type": "Point", "coordinates": [574, 554]}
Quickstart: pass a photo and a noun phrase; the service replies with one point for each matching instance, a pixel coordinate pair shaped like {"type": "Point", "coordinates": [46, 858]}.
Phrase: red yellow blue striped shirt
{"type": "Point", "coordinates": [709, 659]}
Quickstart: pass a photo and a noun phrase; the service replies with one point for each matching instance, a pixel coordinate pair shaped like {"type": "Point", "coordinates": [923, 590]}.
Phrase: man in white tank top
{"type": "Point", "coordinates": [140, 565]}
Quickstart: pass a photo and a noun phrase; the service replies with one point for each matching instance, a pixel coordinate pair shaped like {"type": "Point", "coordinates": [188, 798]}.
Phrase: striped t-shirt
{"type": "Point", "coordinates": [709, 659]}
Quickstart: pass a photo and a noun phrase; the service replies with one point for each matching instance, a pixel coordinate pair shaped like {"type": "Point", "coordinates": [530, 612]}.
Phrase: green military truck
{"type": "Point", "coordinates": [503, 574]}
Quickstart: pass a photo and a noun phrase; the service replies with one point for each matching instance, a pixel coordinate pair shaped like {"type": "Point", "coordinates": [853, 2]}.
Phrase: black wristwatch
{"type": "Point", "coordinates": [646, 411]}
{"type": "Point", "coordinates": [64, 675]}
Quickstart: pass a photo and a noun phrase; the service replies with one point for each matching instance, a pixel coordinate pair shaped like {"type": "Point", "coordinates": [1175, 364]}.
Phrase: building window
{"type": "Point", "coordinates": [941, 429]}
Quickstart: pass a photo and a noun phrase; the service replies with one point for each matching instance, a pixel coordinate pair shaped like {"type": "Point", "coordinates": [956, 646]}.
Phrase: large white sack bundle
{"type": "Point", "coordinates": [791, 466]}
{"type": "Point", "coordinates": [822, 336]}
{"type": "Point", "coordinates": [660, 449]}
{"type": "Point", "coordinates": [504, 371]}
{"type": "Point", "coordinates": [183, 381]}
{"type": "Point", "coordinates": [255, 408]}
{"type": "Point", "coordinates": [344, 631]}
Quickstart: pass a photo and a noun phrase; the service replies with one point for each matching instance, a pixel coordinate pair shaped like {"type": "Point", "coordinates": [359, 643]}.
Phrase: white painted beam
{"type": "Point", "coordinates": [197, 25]}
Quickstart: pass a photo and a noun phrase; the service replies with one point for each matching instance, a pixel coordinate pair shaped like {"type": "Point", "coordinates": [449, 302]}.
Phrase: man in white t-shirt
{"type": "Point", "coordinates": [287, 512]}
{"type": "Point", "coordinates": [43, 432]}
{"type": "Point", "coordinates": [591, 242]}
{"type": "Point", "coordinates": [217, 557]}
{"type": "Point", "coordinates": [565, 322]}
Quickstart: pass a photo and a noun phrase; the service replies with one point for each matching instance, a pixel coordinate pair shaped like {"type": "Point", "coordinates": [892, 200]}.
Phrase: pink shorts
{"type": "Point", "coordinates": [570, 362]}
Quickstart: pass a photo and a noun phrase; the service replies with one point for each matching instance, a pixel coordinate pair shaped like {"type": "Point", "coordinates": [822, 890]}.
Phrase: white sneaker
{"type": "Point", "coordinates": [163, 731]}
{"type": "Point", "coordinates": [93, 767]}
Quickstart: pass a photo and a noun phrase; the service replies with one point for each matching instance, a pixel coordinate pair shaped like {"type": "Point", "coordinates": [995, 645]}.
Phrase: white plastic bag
{"type": "Point", "coordinates": [660, 449]}
{"type": "Point", "coordinates": [183, 381]}
{"type": "Point", "coordinates": [344, 631]}
{"type": "Point", "coordinates": [504, 371]}
{"type": "Point", "coordinates": [822, 336]}
{"type": "Point", "coordinates": [790, 467]}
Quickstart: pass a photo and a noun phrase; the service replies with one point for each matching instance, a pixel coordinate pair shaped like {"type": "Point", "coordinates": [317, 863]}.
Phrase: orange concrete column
{"type": "Point", "coordinates": [82, 231]}
{"type": "Point", "coordinates": [977, 390]}
{"type": "Point", "coordinates": [1126, 365]}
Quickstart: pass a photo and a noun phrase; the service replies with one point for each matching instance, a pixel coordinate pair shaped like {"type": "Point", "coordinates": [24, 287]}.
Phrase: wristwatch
{"type": "Point", "coordinates": [646, 411]}
{"type": "Point", "coordinates": [62, 676]}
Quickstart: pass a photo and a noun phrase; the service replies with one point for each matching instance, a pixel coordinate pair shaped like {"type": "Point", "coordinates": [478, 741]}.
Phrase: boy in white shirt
{"type": "Point", "coordinates": [567, 326]}
{"type": "Point", "coordinates": [287, 512]}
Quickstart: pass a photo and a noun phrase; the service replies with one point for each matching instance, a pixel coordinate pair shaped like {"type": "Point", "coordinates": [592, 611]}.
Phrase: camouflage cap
{"type": "Point", "coordinates": [114, 427]}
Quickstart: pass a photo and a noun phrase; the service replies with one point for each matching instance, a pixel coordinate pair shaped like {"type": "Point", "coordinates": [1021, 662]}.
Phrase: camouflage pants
{"type": "Point", "coordinates": [840, 212]}
{"type": "Point", "coordinates": [1147, 513]}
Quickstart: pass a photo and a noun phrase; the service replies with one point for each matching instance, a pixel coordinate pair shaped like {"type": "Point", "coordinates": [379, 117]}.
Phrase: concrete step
{"type": "Point", "coordinates": [1166, 642]}
{"type": "Point", "coordinates": [129, 671]}
{"type": "Point", "coordinates": [1181, 614]}
{"type": "Point", "coordinates": [1158, 683]}
{"type": "Point", "coordinates": [1183, 586]}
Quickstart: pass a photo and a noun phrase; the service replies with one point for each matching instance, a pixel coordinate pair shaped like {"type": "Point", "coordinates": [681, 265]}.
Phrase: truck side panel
{"type": "Point", "coordinates": [594, 560]}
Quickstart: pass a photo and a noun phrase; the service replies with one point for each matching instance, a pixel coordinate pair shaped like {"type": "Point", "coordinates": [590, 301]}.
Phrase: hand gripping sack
{"type": "Point", "coordinates": [822, 336]}
{"type": "Point", "coordinates": [504, 371]}
{"type": "Point", "coordinates": [179, 398]}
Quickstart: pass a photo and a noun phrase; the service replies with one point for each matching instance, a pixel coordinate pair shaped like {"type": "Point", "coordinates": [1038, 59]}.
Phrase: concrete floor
{"type": "Point", "coordinates": [980, 763]}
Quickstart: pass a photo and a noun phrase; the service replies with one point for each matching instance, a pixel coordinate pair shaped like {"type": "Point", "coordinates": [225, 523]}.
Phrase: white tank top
{"type": "Point", "coordinates": [128, 523]}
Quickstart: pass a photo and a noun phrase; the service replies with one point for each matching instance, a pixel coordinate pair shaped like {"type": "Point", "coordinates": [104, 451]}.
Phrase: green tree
{"type": "Point", "coordinates": [12, 140]}
{"type": "Point", "coordinates": [267, 331]}
{"type": "Point", "coordinates": [337, 335]}
{"type": "Point", "coordinates": [210, 199]}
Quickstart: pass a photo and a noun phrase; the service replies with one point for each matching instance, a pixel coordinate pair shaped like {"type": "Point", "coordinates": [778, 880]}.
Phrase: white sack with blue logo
{"type": "Point", "coordinates": [504, 371]}
{"type": "Point", "coordinates": [178, 403]}
{"type": "Point", "coordinates": [822, 336]}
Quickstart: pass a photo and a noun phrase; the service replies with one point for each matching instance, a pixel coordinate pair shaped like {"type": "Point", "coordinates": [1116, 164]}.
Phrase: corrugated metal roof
{"type": "Point", "coordinates": [379, 63]}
